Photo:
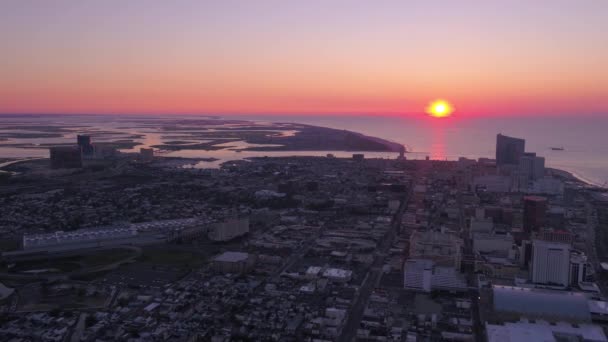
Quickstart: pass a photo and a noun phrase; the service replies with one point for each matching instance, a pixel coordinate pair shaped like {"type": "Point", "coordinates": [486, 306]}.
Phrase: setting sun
{"type": "Point", "coordinates": [439, 109]}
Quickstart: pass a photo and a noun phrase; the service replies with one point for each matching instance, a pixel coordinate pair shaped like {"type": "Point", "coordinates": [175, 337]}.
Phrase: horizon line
{"type": "Point", "coordinates": [313, 114]}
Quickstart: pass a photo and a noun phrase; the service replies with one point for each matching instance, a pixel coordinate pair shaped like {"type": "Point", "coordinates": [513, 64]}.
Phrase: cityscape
{"type": "Point", "coordinates": [103, 245]}
{"type": "Point", "coordinates": [303, 171]}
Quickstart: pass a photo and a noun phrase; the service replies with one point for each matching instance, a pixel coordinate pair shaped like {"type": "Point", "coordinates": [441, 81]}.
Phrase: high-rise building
{"type": "Point", "coordinates": [531, 167]}
{"type": "Point", "coordinates": [84, 142]}
{"type": "Point", "coordinates": [105, 151]}
{"type": "Point", "coordinates": [401, 153]}
{"type": "Point", "coordinates": [509, 150]}
{"type": "Point", "coordinates": [534, 213]}
{"type": "Point", "coordinates": [550, 263]}
{"type": "Point", "coordinates": [578, 268]}
{"type": "Point", "coordinates": [66, 157]}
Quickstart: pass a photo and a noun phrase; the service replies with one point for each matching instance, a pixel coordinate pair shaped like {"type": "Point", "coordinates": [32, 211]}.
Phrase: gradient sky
{"type": "Point", "coordinates": [516, 57]}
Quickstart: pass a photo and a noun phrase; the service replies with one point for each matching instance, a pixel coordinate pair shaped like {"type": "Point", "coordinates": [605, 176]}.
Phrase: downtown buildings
{"type": "Point", "coordinates": [65, 157]}
{"type": "Point", "coordinates": [326, 253]}
{"type": "Point", "coordinates": [509, 150]}
{"type": "Point", "coordinates": [83, 153]}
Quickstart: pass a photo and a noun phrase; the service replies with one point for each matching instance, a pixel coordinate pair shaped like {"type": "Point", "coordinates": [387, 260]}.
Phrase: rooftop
{"type": "Point", "coordinates": [231, 257]}
{"type": "Point", "coordinates": [538, 302]}
{"type": "Point", "coordinates": [543, 331]}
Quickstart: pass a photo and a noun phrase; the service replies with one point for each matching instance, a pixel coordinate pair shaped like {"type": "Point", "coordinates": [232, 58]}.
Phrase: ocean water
{"type": "Point", "coordinates": [584, 139]}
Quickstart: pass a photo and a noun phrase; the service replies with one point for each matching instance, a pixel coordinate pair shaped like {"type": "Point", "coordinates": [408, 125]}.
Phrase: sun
{"type": "Point", "coordinates": [439, 109]}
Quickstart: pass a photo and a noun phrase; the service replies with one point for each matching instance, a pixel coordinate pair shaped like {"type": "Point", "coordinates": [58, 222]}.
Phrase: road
{"type": "Point", "coordinates": [468, 261]}
{"type": "Point", "coordinates": [592, 223]}
{"type": "Point", "coordinates": [78, 328]}
{"type": "Point", "coordinates": [298, 254]}
{"type": "Point", "coordinates": [349, 332]}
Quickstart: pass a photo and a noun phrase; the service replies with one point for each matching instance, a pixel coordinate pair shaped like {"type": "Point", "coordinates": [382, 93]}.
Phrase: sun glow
{"type": "Point", "coordinates": [439, 109]}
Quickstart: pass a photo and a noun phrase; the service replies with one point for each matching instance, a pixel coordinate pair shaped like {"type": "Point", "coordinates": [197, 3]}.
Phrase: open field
{"type": "Point", "coordinates": [69, 264]}
{"type": "Point", "coordinates": [172, 257]}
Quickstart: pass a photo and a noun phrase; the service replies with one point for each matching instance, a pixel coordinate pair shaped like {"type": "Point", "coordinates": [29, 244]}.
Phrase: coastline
{"type": "Point", "coordinates": [306, 138]}
{"type": "Point", "coordinates": [312, 136]}
{"type": "Point", "coordinates": [576, 177]}
{"type": "Point", "coordinates": [18, 160]}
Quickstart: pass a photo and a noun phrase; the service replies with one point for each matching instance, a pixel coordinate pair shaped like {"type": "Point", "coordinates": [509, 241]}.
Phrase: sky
{"type": "Point", "coordinates": [517, 57]}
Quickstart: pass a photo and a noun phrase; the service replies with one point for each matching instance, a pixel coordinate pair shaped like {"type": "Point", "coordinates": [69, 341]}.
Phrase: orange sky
{"type": "Point", "coordinates": [277, 57]}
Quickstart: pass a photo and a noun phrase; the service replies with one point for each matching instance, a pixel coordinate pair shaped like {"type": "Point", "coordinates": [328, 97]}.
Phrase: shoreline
{"type": "Point", "coordinates": [345, 140]}
{"type": "Point", "coordinates": [19, 160]}
{"type": "Point", "coordinates": [576, 177]}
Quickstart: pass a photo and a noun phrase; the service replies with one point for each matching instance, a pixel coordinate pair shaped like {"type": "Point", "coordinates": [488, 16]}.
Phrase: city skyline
{"type": "Point", "coordinates": [280, 170]}
{"type": "Point", "coordinates": [274, 57]}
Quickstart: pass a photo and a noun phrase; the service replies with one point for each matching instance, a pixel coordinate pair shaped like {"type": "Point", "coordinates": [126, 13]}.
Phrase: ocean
{"type": "Point", "coordinates": [583, 139]}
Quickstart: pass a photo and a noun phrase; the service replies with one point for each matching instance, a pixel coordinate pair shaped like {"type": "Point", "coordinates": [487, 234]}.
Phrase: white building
{"type": "Point", "coordinates": [544, 331]}
{"type": "Point", "coordinates": [550, 263]}
{"type": "Point", "coordinates": [417, 274]}
{"type": "Point", "coordinates": [313, 272]}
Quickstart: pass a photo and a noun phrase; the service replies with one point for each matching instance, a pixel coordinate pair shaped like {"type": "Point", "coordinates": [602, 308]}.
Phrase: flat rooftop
{"type": "Point", "coordinates": [231, 257]}
{"type": "Point", "coordinates": [540, 302]}
{"type": "Point", "coordinates": [543, 331]}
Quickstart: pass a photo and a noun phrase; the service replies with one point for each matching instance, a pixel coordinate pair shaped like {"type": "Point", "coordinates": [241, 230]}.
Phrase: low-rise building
{"type": "Point", "coordinates": [229, 229]}
{"type": "Point", "coordinates": [75, 237]}
{"type": "Point", "coordinates": [443, 248]}
{"type": "Point", "coordinates": [338, 275]}
{"type": "Point", "coordinates": [492, 243]}
{"type": "Point", "coordinates": [233, 262]}
{"type": "Point", "coordinates": [543, 331]}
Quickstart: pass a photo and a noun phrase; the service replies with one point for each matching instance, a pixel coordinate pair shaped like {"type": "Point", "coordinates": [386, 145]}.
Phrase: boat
{"type": "Point", "coordinates": [557, 148]}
